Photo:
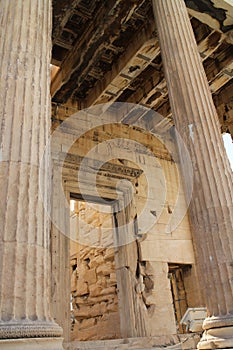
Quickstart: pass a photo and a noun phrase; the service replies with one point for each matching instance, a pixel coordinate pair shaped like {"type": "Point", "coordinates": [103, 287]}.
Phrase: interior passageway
{"type": "Point", "coordinates": [94, 300]}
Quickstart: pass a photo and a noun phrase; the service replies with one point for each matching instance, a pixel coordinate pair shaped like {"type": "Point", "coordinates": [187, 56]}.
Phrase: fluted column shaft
{"type": "Point", "coordinates": [211, 208]}
{"type": "Point", "coordinates": [25, 50]}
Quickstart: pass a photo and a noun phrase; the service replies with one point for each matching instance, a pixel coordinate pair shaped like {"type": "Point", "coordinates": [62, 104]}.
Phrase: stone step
{"type": "Point", "coordinates": [174, 342]}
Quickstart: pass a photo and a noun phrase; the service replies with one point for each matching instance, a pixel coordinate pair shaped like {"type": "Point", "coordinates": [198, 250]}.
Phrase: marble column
{"type": "Point", "coordinates": [25, 52]}
{"type": "Point", "coordinates": [211, 208]}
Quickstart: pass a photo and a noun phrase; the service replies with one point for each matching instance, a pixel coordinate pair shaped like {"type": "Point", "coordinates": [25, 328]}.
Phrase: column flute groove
{"type": "Point", "coordinates": [211, 208]}
{"type": "Point", "coordinates": [181, 75]}
{"type": "Point", "coordinates": [25, 53]}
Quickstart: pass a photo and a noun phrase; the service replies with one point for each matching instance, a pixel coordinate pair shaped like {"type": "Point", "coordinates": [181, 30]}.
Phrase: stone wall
{"type": "Point", "coordinates": [142, 266]}
{"type": "Point", "coordinates": [160, 247]}
{"type": "Point", "coordinates": [93, 278]}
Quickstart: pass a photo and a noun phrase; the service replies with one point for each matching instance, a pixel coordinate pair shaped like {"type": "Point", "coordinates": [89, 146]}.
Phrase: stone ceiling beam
{"type": "Point", "coordinates": [218, 15]}
{"type": "Point", "coordinates": [61, 13]}
{"type": "Point", "coordinates": [138, 55]}
{"type": "Point", "coordinates": [82, 57]}
{"type": "Point", "coordinates": [153, 91]}
{"type": "Point", "coordinates": [76, 55]}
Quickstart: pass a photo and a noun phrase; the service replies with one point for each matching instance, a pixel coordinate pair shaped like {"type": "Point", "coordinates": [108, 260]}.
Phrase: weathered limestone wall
{"type": "Point", "coordinates": [93, 277]}
{"type": "Point", "coordinates": [142, 267]}
{"type": "Point", "coordinates": [158, 248]}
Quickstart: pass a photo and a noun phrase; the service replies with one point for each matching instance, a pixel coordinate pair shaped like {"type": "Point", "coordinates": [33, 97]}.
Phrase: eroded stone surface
{"type": "Point", "coordinates": [93, 278]}
{"type": "Point", "coordinates": [175, 342]}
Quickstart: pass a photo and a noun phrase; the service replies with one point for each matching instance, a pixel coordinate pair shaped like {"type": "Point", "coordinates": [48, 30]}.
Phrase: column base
{"type": "Point", "coordinates": [217, 338]}
{"type": "Point", "coordinates": [29, 329]}
{"type": "Point", "coordinates": [32, 344]}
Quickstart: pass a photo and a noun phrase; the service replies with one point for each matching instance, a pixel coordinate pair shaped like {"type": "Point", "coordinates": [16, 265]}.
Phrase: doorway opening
{"type": "Point", "coordinates": [179, 287]}
{"type": "Point", "coordinates": [93, 288]}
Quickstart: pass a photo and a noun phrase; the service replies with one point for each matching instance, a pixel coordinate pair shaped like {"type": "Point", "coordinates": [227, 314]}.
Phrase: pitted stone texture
{"type": "Point", "coordinates": [195, 117]}
{"type": "Point", "coordinates": [28, 329]}
{"type": "Point", "coordinates": [216, 338]}
{"type": "Point", "coordinates": [25, 50]}
{"type": "Point", "coordinates": [93, 276]}
{"type": "Point", "coordinates": [173, 342]}
{"type": "Point", "coordinates": [32, 344]}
